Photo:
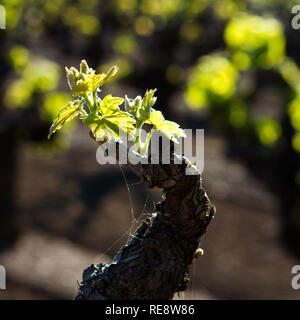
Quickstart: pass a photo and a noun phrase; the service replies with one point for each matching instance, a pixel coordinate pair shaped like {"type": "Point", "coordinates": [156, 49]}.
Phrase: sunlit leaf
{"type": "Point", "coordinates": [113, 122]}
{"type": "Point", "coordinates": [170, 129]}
{"type": "Point", "coordinates": [69, 112]}
{"type": "Point", "coordinates": [110, 105]}
{"type": "Point", "coordinates": [80, 88]}
{"type": "Point", "coordinates": [110, 126]}
{"type": "Point", "coordinates": [90, 82]}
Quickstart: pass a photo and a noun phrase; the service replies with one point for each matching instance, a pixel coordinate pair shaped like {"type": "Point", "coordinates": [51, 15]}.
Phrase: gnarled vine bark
{"type": "Point", "coordinates": [155, 263]}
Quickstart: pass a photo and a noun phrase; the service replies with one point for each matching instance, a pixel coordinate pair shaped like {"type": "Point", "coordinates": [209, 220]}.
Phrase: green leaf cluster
{"type": "Point", "coordinates": [104, 117]}
{"type": "Point", "coordinates": [143, 112]}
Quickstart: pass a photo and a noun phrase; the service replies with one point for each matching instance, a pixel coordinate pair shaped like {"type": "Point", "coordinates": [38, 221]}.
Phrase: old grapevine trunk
{"type": "Point", "coordinates": [155, 263]}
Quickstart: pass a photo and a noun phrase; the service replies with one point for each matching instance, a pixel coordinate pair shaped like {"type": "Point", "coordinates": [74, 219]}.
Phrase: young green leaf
{"type": "Point", "coordinates": [69, 112]}
{"type": "Point", "coordinates": [113, 122]}
{"type": "Point", "coordinates": [86, 80]}
{"type": "Point", "coordinates": [110, 104]}
{"type": "Point", "coordinates": [111, 126]}
{"type": "Point", "coordinates": [170, 129]}
{"type": "Point", "coordinates": [89, 83]}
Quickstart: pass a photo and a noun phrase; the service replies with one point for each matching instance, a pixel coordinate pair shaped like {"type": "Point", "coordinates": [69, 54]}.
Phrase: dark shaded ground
{"type": "Point", "coordinates": [71, 209]}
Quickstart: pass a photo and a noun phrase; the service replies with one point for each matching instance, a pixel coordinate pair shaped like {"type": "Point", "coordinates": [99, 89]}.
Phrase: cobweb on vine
{"type": "Point", "coordinates": [136, 216]}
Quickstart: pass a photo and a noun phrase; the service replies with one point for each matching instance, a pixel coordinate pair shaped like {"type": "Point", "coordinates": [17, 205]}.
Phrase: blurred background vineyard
{"type": "Point", "coordinates": [230, 67]}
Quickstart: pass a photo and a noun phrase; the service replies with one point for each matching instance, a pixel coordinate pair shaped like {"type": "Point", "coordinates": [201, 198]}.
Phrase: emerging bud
{"type": "Point", "coordinates": [137, 102]}
{"type": "Point", "coordinates": [84, 68]}
{"type": "Point", "coordinates": [112, 71]}
{"type": "Point", "coordinates": [70, 78]}
{"type": "Point", "coordinates": [152, 101]}
{"type": "Point", "coordinates": [128, 103]}
{"type": "Point", "coordinates": [75, 73]}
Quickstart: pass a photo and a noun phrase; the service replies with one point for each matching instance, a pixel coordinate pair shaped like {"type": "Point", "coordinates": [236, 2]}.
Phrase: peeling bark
{"type": "Point", "coordinates": [155, 263]}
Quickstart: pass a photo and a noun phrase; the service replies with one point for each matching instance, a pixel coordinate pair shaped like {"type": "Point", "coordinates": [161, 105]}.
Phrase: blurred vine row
{"type": "Point", "coordinates": [234, 62]}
